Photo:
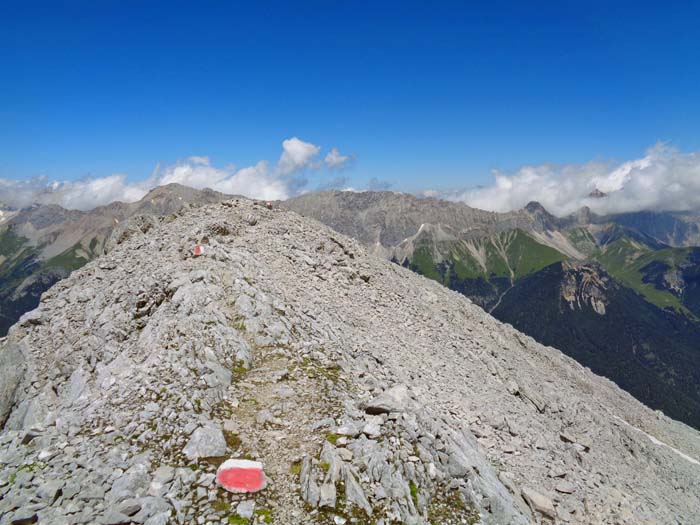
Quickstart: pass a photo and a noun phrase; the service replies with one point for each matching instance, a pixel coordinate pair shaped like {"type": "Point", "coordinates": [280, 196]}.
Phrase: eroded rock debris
{"type": "Point", "coordinates": [369, 394]}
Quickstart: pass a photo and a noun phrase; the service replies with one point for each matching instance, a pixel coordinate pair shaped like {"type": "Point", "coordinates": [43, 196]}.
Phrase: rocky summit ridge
{"type": "Point", "coordinates": [370, 394]}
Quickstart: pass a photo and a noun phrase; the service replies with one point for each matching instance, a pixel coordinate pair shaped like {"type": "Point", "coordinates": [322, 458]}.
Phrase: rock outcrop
{"type": "Point", "coordinates": [367, 393]}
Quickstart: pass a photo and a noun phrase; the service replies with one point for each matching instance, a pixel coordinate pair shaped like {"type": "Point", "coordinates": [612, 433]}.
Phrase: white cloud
{"type": "Point", "coordinates": [335, 160]}
{"type": "Point", "coordinates": [297, 155]}
{"type": "Point", "coordinates": [284, 179]}
{"type": "Point", "coordinates": [665, 179]}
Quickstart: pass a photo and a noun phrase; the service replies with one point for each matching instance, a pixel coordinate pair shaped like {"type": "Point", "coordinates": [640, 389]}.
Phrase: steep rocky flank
{"type": "Point", "coordinates": [675, 229]}
{"type": "Point", "coordinates": [510, 264]}
{"type": "Point", "coordinates": [371, 394]}
{"type": "Point", "coordinates": [42, 244]}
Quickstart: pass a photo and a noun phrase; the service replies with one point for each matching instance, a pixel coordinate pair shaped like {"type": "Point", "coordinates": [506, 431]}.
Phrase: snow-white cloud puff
{"type": "Point", "coordinates": [664, 179]}
{"type": "Point", "coordinates": [287, 177]}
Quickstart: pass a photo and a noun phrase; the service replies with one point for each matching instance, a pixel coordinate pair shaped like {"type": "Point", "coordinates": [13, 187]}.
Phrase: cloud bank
{"type": "Point", "coordinates": [285, 178]}
{"type": "Point", "coordinates": [665, 179]}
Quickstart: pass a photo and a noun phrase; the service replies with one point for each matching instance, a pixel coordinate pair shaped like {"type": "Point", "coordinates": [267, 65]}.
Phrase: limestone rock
{"type": "Point", "coordinates": [396, 399]}
{"type": "Point", "coordinates": [539, 502]}
{"type": "Point", "coordinates": [205, 442]}
{"type": "Point", "coordinates": [12, 367]}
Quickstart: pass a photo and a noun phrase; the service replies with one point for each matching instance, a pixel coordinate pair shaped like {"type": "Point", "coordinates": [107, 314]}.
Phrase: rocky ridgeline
{"type": "Point", "coordinates": [370, 394]}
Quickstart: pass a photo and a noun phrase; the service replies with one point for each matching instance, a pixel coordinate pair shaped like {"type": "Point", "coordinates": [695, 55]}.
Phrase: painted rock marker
{"type": "Point", "coordinates": [198, 250]}
{"type": "Point", "coordinates": [241, 476]}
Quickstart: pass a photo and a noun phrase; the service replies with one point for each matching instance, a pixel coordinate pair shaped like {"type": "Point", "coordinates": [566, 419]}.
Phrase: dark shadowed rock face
{"type": "Point", "coordinates": [650, 352]}
{"type": "Point", "coordinates": [674, 229]}
{"type": "Point", "coordinates": [366, 392]}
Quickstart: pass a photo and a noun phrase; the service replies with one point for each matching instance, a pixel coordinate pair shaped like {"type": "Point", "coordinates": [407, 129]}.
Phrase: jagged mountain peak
{"type": "Point", "coordinates": [536, 207]}
{"type": "Point", "coordinates": [597, 194]}
{"type": "Point", "coordinates": [362, 388]}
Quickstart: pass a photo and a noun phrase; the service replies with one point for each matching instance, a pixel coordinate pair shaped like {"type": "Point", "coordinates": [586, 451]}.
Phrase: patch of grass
{"type": "Point", "coordinates": [582, 240]}
{"type": "Point", "coordinates": [30, 467]}
{"type": "Point", "coordinates": [295, 468]}
{"type": "Point", "coordinates": [221, 505]}
{"type": "Point", "coordinates": [238, 520]}
{"type": "Point", "coordinates": [414, 492]}
{"type": "Point", "coordinates": [626, 260]}
{"type": "Point", "coordinates": [512, 254]}
{"type": "Point", "coordinates": [526, 255]}
{"type": "Point", "coordinates": [70, 259]}
{"type": "Point", "coordinates": [232, 440]}
{"type": "Point", "coordinates": [215, 461]}
{"type": "Point", "coordinates": [332, 438]}
{"type": "Point", "coordinates": [265, 515]}
{"type": "Point", "coordinates": [331, 372]}
{"type": "Point", "coordinates": [239, 370]}
{"type": "Point", "coordinates": [10, 243]}
{"type": "Point", "coordinates": [465, 265]}
{"type": "Point", "coordinates": [325, 466]}
{"type": "Point", "coordinates": [424, 264]}
{"type": "Point", "coordinates": [450, 507]}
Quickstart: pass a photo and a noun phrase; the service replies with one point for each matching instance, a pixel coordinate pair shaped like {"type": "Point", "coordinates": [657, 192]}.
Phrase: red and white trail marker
{"type": "Point", "coordinates": [241, 476]}
{"type": "Point", "coordinates": [198, 250]}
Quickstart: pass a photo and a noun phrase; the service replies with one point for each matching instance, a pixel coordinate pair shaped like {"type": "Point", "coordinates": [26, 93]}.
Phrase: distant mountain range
{"type": "Point", "coordinates": [620, 293]}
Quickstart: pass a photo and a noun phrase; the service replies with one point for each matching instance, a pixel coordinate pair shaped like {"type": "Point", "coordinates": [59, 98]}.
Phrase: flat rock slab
{"type": "Point", "coordinates": [396, 399]}
{"type": "Point", "coordinates": [241, 476]}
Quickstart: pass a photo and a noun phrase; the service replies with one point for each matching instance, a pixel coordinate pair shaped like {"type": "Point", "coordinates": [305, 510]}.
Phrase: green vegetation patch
{"type": "Point", "coordinates": [414, 492]}
{"type": "Point", "coordinates": [424, 264]}
{"type": "Point", "coordinates": [265, 515]}
{"type": "Point", "coordinates": [450, 508]}
{"type": "Point", "coordinates": [582, 240]}
{"type": "Point", "coordinates": [239, 370]}
{"type": "Point", "coordinates": [526, 256]}
{"type": "Point", "coordinates": [625, 260]}
{"type": "Point", "coordinates": [71, 259]}
{"type": "Point", "coordinates": [10, 242]}
{"type": "Point", "coordinates": [221, 505]}
{"type": "Point", "coordinates": [465, 265]}
{"type": "Point", "coordinates": [295, 468]}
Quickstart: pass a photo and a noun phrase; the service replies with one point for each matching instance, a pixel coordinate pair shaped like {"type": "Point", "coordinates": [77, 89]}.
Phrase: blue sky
{"type": "Point", "coordinates": [423, 95]}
